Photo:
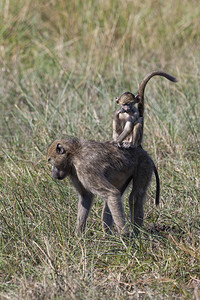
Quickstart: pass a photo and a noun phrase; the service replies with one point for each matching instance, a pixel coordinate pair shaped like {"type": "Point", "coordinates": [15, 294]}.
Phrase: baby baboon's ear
{"type": "Point", "coordinates": [137, 98]}
{"type": "Point", "coordinates": [60, 149]}
{"type": "Point", "coordinates": [117, 100]}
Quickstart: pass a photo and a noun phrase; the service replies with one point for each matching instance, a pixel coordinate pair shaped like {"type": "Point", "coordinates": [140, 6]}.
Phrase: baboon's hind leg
{"type": "Point", "coordinates": [139, 198]}
{"type": "Point", "coordinates": [131, 205]}
{"type": "Point", "coordinates": [140, 185]}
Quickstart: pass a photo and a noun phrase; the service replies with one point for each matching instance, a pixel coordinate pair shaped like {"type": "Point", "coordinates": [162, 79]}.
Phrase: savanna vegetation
{"type": "Point", "coordinates": [62, 63]}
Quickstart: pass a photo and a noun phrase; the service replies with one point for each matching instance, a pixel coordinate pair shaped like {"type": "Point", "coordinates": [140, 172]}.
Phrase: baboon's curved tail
{"type": "Point", "coordinates": [142, 89]}
{"type": "Point", "coordinates": [144, 83]}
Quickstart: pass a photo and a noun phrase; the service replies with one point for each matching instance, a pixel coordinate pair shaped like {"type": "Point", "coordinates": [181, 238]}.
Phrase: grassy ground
{"type": "Point", "coordinates": [62, 65]}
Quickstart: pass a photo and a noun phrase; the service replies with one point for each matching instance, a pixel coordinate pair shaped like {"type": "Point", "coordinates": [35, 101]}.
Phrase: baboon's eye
{"type": "Point", "coordinates": [60, 149]}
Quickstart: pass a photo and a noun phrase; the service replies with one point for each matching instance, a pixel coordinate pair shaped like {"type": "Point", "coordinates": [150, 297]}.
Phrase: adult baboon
{"type": "Point", "coordinates": [105, 170]}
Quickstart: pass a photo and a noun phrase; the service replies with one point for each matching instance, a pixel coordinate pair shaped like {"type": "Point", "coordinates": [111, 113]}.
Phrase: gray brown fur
{"type": "Point", "coordinates": [105, 170]}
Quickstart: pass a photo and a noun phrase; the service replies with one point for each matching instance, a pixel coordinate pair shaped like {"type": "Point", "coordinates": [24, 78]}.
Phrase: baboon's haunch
{"type": "Point", "coordinates": [105, 170]}
{"type": "Point", "coordinates": [128, 121]}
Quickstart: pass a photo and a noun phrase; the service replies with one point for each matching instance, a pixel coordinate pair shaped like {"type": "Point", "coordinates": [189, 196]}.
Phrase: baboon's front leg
{"type": "Point", "coordinates": [84, 206]}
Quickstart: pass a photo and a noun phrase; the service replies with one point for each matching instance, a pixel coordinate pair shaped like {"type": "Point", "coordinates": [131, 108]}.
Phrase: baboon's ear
{"type": "Point", "coordinates": [60, 149]}
{"type": "Point", "coordinates": [137, 99]}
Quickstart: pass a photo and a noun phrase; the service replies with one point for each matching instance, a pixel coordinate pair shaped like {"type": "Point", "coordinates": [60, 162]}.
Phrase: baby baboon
{"type": "Point", "coordinates": [128, 122]}
{"type": "Point", "coordinates": [105, 170]}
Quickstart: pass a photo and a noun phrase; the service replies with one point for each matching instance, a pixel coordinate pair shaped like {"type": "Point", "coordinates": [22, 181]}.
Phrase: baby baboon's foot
{"type": "Point", "coordinates": [126, 145]}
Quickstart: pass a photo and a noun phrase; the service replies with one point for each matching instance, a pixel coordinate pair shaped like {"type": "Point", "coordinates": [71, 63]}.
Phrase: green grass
{"type": "Point", "coordinates": [62, 65]}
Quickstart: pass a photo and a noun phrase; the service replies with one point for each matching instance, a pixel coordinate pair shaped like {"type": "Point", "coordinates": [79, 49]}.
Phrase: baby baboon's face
{"type": "Point", "coordinates": [127, 108]}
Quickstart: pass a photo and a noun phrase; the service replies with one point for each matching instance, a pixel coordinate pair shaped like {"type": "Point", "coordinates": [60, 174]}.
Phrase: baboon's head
{"type": "Point", "coordinates": [60, 156]}
{"type": "Point", "coordinates": [127, 101]}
